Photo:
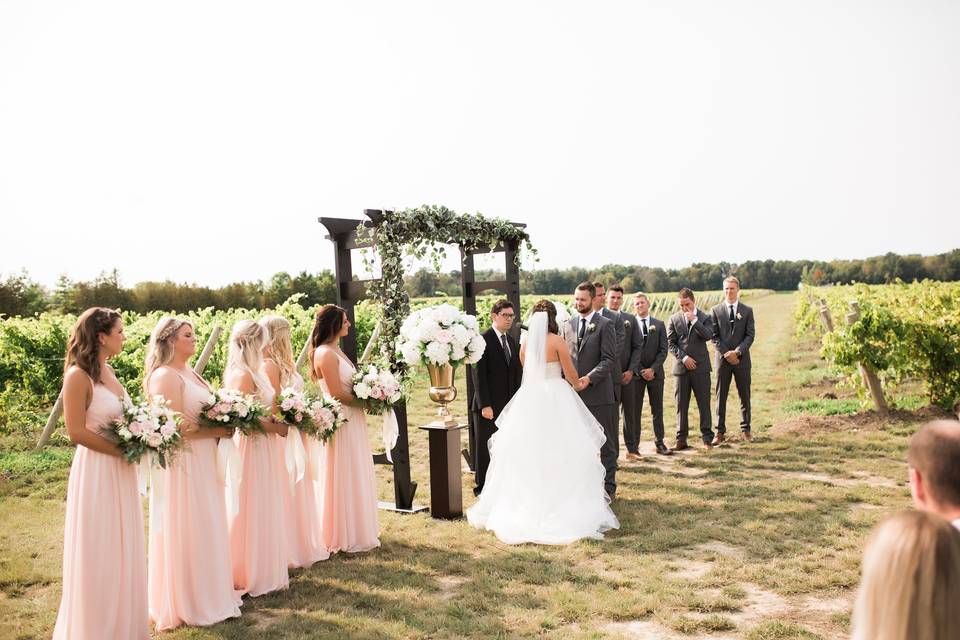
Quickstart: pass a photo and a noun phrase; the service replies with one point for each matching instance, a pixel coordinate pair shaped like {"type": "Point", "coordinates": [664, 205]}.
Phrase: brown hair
{"type": "Point", "coordinates": [615, 287]}
{"type": "Point", "coordinates": [328, 323]}
{"type": "Point", "coordinates": [500, 305]}
{"type": "Point", "coordinates": [160, 347]}
{"type": "Point", "coordinates": [588, 286]}
{"type": "Point", "coordinates": [935, 453]}
{"type": "Point", "coordinates": [911, 580]}
{"type": "Point", "coordinates": [686, 293]}
{"type": "Point", "coordinates": [551, 311]}
{"type": "Point", "coordinates": [597, 285]}
{"type": "Point", "coordinates": [83, 348]}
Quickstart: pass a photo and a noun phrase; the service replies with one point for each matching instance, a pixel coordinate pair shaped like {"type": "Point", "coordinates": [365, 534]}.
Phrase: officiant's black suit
{"type": "Point", "coordinates": [497, 379]}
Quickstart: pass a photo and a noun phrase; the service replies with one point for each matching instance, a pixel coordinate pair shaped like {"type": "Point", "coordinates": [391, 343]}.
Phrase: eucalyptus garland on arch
{"type": "Point", "coordinates": [420, 232]}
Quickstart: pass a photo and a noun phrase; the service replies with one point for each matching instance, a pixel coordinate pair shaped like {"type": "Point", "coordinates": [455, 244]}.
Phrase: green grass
{"type": "Point", "coordinates": [700, 535]}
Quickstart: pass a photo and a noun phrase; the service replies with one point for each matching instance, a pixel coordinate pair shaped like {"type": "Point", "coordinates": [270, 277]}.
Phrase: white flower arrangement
{"type": "Point", "coordinates": [440, 335]}
{"type": "Point", "coordinates": [232, 408]}
{"type": "Point", "coordinates": [146, 427]}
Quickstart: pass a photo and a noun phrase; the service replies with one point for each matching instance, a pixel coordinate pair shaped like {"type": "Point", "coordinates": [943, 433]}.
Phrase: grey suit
{"type": "Point", "coordinates": [628, 355]}
{"type": "Point", "coordinates": [653, 353]}
{"type": "Point", "coordinates": [734, 333]}
{"type": "Point", "coordinates": [686, 340]}
{"type": "Point", "coordinates": [595, 355]}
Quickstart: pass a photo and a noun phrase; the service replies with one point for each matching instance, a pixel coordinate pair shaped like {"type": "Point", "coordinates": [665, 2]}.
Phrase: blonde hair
{"type": "Point", "coordinates": [911, 580]}
{"type": "Point", "coordinates": [278, 348]}
{"type": "Point", "coordinates": [245, 352]}
{"type": "Point", "coordinates": [160, 347]}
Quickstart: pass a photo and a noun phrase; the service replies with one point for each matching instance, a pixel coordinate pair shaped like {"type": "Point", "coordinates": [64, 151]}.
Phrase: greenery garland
{"type": "Point", "coordinates": [420, 232]}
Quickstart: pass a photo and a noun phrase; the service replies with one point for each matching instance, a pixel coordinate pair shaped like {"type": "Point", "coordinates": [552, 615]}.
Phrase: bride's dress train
{"type": "Point", "coordinates": [545, 480]}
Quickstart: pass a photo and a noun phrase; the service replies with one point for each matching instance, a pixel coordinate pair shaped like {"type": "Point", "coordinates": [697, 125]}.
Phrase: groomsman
{"type": "Point", "coordinates": [498, 375]}
{"type": "Point", "coordinates": [688, 333]}
{"type": "Point", "coordinates": [628, 357]}
{"type": "Point", "coordinates": [649, 377]}
{"type": "Point", "coordinates": [733, 334]}
{"type": "Point", "coordinates": [595, 355]}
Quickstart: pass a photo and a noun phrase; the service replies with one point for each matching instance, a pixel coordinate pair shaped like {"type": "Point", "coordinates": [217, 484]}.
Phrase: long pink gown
{"type": "Point", "coordinates": [258, 545]}
{"type": "Point", "coordinates": [348, 497]}
{"type": "Point", "coordinates": [104, 567]}
{"type": "Point", "coordinates": [190, 576]}
{"type": "Point", "coordinates": [301, 510]}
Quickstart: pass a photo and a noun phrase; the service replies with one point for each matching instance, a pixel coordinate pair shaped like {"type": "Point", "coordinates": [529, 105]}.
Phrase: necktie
{"type": "Point", "coordinates": [644, 328]}
{"type": "Point", "coordinates": [506, 347]}
{"type": "Point", "coordinates": [732, 317]}
{"type": "Point", "coordinates": [583, 327]}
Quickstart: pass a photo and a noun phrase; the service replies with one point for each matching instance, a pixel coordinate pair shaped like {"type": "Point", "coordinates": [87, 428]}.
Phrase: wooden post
{"type": "Point", "coordinates": [57, 410]}
{"type": "Point", "coordinates": [208, 350]}
{"type": "Point", "coordinates": [302, 358]}
{"type": "Point", "coordinates": [446, 491]}
{"type": "Point", "coordinates": [825, 316]}
{"type": "Point", "coordinates": [870, 379]}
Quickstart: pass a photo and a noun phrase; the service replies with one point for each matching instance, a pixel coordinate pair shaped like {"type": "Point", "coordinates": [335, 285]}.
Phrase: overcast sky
{"type": "Point", "coordinates": [200, 141]}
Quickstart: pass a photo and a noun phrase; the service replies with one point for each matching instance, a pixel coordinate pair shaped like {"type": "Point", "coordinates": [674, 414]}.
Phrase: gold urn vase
{"type": "Point", "coordinates": [443, 392]}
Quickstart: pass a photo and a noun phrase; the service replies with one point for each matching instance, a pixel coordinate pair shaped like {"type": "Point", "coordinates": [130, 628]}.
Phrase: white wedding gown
{"type": "Point", "coordinates": [545, 480]}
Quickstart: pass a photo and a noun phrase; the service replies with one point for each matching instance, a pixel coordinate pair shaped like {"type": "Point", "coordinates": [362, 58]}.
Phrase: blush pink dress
{"type": "Point", "coordinates": [258, 545]}
{"type": "Point", "coordinates": [301, 510]}
{"type": "Point", "coordinates": [104, 566]}
{"type": "Point", "coordinates": [190, 576]}
{"type": "Point", "coordinates": [348, 493]}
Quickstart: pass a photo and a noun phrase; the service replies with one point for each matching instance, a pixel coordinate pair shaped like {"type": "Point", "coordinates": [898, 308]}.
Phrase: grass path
{"type": "Point", "coordinates": [757, 541]}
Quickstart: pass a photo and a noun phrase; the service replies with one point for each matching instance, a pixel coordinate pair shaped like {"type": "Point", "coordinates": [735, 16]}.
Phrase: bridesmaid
{"type": "Point", "coordinates": [301, 511]}
{"type": "Point", "coordinates": [258, 544]}
{"type": "Point", "coordinates": [189, 574]}
{"type": "Point", "coordinates": [104, 569]}
{"type": "Point", "coordinates": [348, 500]}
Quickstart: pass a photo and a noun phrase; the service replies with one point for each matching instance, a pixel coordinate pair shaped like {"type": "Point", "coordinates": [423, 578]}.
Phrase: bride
{"type": "Point", "coordinates": [545, 481]}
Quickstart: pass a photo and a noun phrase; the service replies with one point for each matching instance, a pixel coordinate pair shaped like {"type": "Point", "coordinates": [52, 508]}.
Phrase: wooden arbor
{"type": "Point", "coordinates": [343, 233]}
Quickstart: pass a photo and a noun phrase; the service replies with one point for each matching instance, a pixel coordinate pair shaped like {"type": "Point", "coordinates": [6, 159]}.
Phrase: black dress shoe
{"type": "Point", "coordinates": [663, 450]}
{"type": "Point", "coordinates": [681, 445]}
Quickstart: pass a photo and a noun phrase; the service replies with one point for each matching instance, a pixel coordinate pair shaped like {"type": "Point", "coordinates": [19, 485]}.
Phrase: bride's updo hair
{"type": "Point", "coordinates": [551, 311]}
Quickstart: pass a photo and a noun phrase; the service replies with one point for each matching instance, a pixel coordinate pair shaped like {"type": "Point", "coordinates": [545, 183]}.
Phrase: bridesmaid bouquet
{"type": "Point", "coordinates": [147, 427]}
{"type": "Point", "coordinates": [377, 387]}
{"type": "Point", "coordinates": [319, 416]}
{"type": "Point", "coordinates": [231, 408]}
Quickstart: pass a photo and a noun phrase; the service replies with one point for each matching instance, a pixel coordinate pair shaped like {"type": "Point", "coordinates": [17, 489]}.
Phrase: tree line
{"type": "Point", "coordinates": [21, 296]}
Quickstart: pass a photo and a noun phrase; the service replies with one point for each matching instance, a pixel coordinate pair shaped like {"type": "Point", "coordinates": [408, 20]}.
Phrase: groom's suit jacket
{"type": "Point", "coordinates": [596, 357]}
{"type": "Point", "coordinates": [496, 379]}
{"type": "Point", "coordinates": [684, 340]}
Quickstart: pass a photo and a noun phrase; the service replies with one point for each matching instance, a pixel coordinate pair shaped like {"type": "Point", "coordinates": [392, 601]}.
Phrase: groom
{"type": "Point", "coordinates": [595, 355]}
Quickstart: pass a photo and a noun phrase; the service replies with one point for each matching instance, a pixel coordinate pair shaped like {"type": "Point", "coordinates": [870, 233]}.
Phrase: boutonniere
{"type": "Point", "coordinates": [626, 323]}
{"type": "Point", "coordinates": [653, 328]}
{"type": "Point", "coordinates": [739, 317]}
{"type": "Point", "coordinates": [591, 327]}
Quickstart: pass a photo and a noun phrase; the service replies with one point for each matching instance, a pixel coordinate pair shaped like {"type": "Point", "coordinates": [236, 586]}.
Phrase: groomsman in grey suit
{"type": "Point", "coordinates": [688, 333]}
{"type": "Point", "coordinates": [628, 356]}
{"type": "Point", "coordinates": [649, 376]}
{"type": "Point", "coordinates": [733, 334]}
{"type": "Point", "coordinates": [595, 354]}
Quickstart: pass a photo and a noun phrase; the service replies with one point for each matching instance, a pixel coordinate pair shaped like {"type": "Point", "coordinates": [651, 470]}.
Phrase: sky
{"type": "Point", "coordinates": [200, 141]}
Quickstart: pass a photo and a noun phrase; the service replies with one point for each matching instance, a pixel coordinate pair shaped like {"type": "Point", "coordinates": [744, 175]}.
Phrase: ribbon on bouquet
{"type": "Point", "coordinates": [149, 471]}
{"type": "Point", "coordinates": [229, 468]}
{"type": "Point", "coordinates": [294, 457]}
{"type": "Point", "coordinates": [391, 431]}
{"type": "Point", "coordinates": [314, 453]}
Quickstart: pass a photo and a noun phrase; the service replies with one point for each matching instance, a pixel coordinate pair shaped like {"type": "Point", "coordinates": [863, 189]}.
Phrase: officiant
{"type": "Point", "coordinates": [498, 376]}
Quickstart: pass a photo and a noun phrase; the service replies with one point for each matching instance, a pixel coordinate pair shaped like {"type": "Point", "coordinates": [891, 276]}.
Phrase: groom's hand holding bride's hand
{"type": "Point", "coordinates": [487, 412]}
{"type": "Point", "coordinates": [582, 383]}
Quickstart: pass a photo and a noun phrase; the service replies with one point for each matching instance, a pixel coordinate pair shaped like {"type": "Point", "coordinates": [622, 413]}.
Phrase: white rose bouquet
{"type": "Point", "coordinates": [147, 427]}
{"type": "Point", "coordinates": [377, 387]}
{"type": "Point", "coordinates": [326, 416]}
{"type": "Point", "coordinates": [232, 408]}
{"type": "Point", "coordinates": [440, 335]}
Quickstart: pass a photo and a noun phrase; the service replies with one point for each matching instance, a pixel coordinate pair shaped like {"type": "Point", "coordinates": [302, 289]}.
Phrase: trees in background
{"type": "Point", "coordinates": [20, 296]}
